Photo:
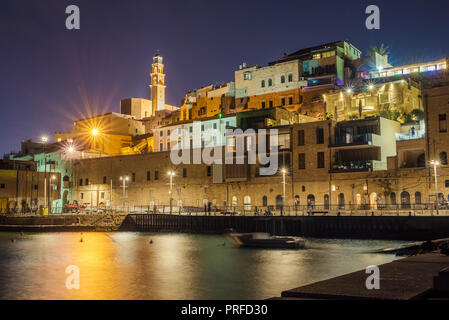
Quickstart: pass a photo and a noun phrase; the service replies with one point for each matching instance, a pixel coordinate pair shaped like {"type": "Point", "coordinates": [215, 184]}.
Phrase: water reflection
{"type": "Point", "coordinates": [173, 266]}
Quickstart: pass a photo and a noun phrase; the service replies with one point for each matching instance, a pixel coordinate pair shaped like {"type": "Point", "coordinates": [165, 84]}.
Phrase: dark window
{"type": "Point", "coordinates": [300, 137]}
{"type": "Point", "coordinates": [290, 100]}
{"type": "Point", "coordinates": [290, 77]}
{"type": "Point", "coordinates": [2, 186]}
{"type": "Point", "coordinates": [133, 177]}
{"type": "Point", "coordinates": [209, 171]}
{"type": "Point", "coordinates": [282, 79]}
{"type": "Point", "coordinates": [263, 104]}
{"type": "Point", "coordinates": [36, 187]}
{"type": "Point", "coordinates": [262, 84]}
{"type": "Point", "coordinates": [302, 161]}
{"type": "Point", "coordinates": [303, 188]}
{"type": "Point", "coordinates": [82, 195]}
{"type": "Point", "coordinates": [320, 159]}
{"type": "Point", "coordinates": [104, 180]}
{"type": "Point", "coordinates": [87, 181]}
{"type": "Point", "coordinates": [184, 172]}
{"type": "Point", "coordinates": [156, 175]}
{"type": "Point", "coordinates": [161, 147]}
{"type": "Point", "coordinates": [443, 158]}
{"type": "Point", "coordinates": [81, 182]}
{"type": "Point", "coordinates": [319, 135]}
{"type": "Point", "coordinates": [270, 82]}
{"type": "Point", "coordinates": [148, 175]}
{"type": "Point", "coordinates": [418, 197]}
{"type": "Point", "coordinates": [442, 122]}
{"type": "Point", "coordinates": [264, 201]}
{"type": "Point", "coordinates": [283, 101]}
{"type": "Point", "coordinates": [271, 104]}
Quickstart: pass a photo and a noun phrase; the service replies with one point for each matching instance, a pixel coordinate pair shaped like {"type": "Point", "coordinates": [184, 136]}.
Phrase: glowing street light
{"type": "Point", "coordinates": [95, 132]}
{"type": "Point", "coordinates": [370, 87]}
{"type": "Point", "coordinates": [348, 90]}
{"type": "Point", "coordinates": [283, 171]}
{"type": "Point", "coordinates": [435, 163]}
{"type": "Point", "coordinates": [44, 139]}
{"type": "Point", "coordinates": [124, 179]}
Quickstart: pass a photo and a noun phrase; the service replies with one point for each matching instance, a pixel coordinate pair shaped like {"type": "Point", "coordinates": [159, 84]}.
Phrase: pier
{"type": "Point", "coordinates": [413, 278]}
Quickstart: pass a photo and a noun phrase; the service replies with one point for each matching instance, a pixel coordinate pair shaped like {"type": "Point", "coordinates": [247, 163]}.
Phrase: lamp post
{"type": "Point", "coordinates": [284, 171]}
{"type": "Point", "coordinates": [435, 163]}
{"type": "Point", "coordinates": [44, 140]}
{"type": "Point", "coordinates": [170, 192]}
{"type": "Point", "coordinates": [124, 179]}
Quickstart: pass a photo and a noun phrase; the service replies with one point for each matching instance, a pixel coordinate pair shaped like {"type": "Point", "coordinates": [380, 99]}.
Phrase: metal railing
{"type": "Point", "coordinates": [404, 209]}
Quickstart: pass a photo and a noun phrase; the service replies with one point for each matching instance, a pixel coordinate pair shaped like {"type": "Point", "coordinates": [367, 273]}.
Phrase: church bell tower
{"type": "Point", "coordinates": [157, 84]}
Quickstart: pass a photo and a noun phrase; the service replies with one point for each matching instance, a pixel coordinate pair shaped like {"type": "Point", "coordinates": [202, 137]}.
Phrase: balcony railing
{"type": "Point", "coordinates": [353, 139]}
{"type": "Point", "coordinates": [352, 166]}
{"type": "Point", "coordinates": [419, 134]}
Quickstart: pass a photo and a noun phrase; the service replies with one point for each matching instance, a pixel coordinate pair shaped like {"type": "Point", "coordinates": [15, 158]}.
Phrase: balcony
{"type": "Point", "coordinates": [353, 140]}
{"type": "Point", "coordinates": [419, 134]}
{"type": "Point", "coordinates": [352, 166]}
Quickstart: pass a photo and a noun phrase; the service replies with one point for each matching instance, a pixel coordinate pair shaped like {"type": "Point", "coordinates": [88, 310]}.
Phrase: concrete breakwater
{"type": "Point", "coordinates": [358, 227]}
{"type": "Point", "coordinates": [61, 223]}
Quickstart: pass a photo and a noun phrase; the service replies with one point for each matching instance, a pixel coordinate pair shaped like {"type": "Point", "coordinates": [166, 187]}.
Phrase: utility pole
{"type": "Point", "coordinates": [284, 171]}
{"type": "Point", "coordinates": [435, 163]}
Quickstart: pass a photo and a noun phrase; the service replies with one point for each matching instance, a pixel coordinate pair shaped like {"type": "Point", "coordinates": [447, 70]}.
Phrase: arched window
{"type": "Point", "coordinates": [234, 201]}
{"type": "Point", "coordinates": [393, 198]}
{"type": "Point", "coordinates": [279, 202]}
{"type": "Point", "coordinates": [297, 200]}
{"type": "Point", "coordinates": [405, 200]}
{"type": "Point", "coordinates": [326, 201]}
{"type": "Point", "coordinates": [270, 82]}
{"type": "Point", "coordinates": [282, 79]}
{"type": "Point", "coordinates": [247, 203]}
{"type": "Point", "coordinates": [310, 200]}
{"type": "Point", "coordinates": [341, 201]}
{"type": "Point", "coordinates": [264, 201]}
{"type": "Point", "coordinates": [417, 197]}
{"type": "Point", "coordinates": [443, 158]}
{"type": "Point", "coordinates": [262, 83]}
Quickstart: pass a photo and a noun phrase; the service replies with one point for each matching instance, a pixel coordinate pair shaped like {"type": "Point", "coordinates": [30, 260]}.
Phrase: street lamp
{"type": "Point", "coordinates": [44, 140]}
{"type": "Point", "coordinates": [435, 163]}
{"type": "Point", "coordinates": [284, 171]}
{"type": "Point", "coordinates": [95, 132]}
{"type": "Point", "coordinates": [124, 179]}
{"type": "Point", "coordinates": [171, 174]}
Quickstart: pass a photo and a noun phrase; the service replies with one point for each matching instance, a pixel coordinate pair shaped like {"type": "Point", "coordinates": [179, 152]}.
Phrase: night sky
{"type": "Point", "coordinates": [51, 76]}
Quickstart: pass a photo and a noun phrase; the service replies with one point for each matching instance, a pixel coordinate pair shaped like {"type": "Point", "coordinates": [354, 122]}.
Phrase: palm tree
{"type": "Point", "coordinates": [381, 50]}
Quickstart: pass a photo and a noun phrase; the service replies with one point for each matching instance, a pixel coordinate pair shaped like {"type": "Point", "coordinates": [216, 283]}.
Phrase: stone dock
{"type": "Point", "coordinates": [62, 223]}
{"type": "Point", "coordinates": [418, 277]}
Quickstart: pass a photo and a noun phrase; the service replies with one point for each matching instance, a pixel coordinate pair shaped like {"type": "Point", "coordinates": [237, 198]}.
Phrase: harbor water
{"type": "Point", "coordinates": [132, 265]}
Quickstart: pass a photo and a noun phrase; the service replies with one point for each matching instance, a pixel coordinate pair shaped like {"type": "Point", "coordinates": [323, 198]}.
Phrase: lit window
{"type": "Point", "coordinates": [431, 68]}
{"type": "Point", "coordinates": [317, 56]}
{"type": "Point", "coordinates": [406, 71]}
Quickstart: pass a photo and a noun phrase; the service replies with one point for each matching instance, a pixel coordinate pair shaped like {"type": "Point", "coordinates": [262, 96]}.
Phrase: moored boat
{"type": "Point", "coordinates": [264, 240]}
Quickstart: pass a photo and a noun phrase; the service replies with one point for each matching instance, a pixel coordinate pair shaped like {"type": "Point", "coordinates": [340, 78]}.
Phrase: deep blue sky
{"type": "Point", "coordinates": [50, 75]}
